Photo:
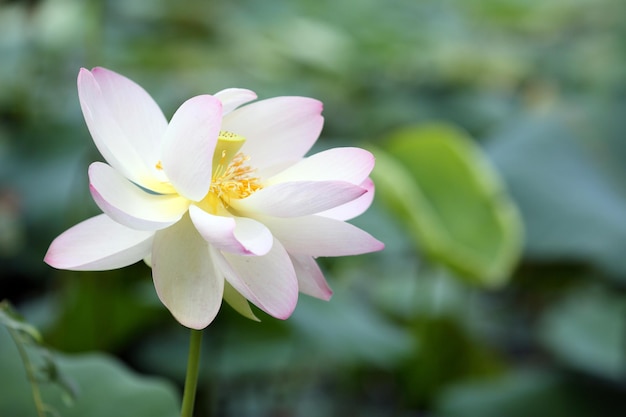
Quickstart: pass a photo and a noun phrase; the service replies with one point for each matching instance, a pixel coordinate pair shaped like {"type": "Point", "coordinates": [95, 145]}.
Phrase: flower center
{"type": "Point", "coordinates": [232, 178]}
{"type": "Point", "coordinates": [236, 181]}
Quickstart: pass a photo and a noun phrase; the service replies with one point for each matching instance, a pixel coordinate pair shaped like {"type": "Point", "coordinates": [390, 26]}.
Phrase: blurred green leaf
{"type": "Point", "coordinates": [101, 310]}
{"type": "Point", "coordinates": [447, 354]}
{"type": "Point", "coordinates": [39, 365]}
{"type": "Point", "coordinates": [104, 388]}
{"type": "Point", "coordinates": [358, 334]}
{"type": "Point", "coordinates": [519, 394]}
{"type": "Point", "coordinates": [587, 330]}
{"type": "Point", "coordinates": [11, 320]}
{"type": "Point", "coordinates": [451, 199]}
{"type": "Point", "coordinates": [572, 210]}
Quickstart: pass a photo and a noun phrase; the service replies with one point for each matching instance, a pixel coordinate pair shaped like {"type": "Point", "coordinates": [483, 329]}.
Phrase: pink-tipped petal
{"type": "Point", "coordinates": [98, 244]}
{"type": "Point", "coordinates": [232, 98]}
{"type": "Point", "coordinates": [277, 129]}
{"type": "Point", "coordinates": [355, 207]}
{"type": "Point", "coordinates": [351, 165]}
{"type": "Point", "coordinates": [298, 198]}
{"type": "Point", "coordinates": [239, 235]}
{"type": "Point", "coordinates": [184, 275]}
{"type": "Point", "coordinates": [124, 121]}
{"type": "Point", "coordinates": [311, 280]}
{"type": "Point", "coordinates": [189, 143]}
{"type": "Point", "coordinates": [268, 281]}
{"type": "Point", "coordinates": [321, 236]}
{"type": "Point", "coordinates": [131, 206]}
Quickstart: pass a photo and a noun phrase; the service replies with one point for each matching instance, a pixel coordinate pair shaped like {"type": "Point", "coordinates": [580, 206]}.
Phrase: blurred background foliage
{"type": "Point", "coordinates": [498, 127]}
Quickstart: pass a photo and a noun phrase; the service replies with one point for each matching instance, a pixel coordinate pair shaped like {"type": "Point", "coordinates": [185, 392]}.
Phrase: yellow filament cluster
{"type": "Point", "coordinates": [234, 181]}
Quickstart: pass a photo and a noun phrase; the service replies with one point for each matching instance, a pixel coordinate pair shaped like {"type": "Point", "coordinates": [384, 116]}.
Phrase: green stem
{"type": "Point", "coordinates": [191, 381]}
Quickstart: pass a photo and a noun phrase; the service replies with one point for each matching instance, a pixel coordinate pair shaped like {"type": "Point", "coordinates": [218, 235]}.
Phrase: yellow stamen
{"type": "Point", "coordinates": [236, 181]}
{"type": "Point", "coordinates": [232, 177]}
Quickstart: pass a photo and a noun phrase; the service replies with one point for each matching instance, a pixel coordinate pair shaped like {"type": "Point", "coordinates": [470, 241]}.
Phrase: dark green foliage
{"type": "Point", "coordinates": [538, 90]}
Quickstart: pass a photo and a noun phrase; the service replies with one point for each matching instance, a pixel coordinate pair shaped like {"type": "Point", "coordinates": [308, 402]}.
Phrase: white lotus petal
{"type": "Point", "coordinates": [268, 281]}
{"type": "Point", "coordinates": [98, 244]}
{"type": "Point", "coordinates": [321, 236]}
{"type": "Point", "coordinates": [238, 235]}
{"type": "Point", "coordinates": [298, 198]}
{"type": "Point", "coordinates": [311, 280]}
{"type": "Point", "coordinates": [184, 275]}
{"type": "Point", "coordinates": [232, 98]}
{"type": "Point", "coordinates": [351, 165]}
{"type": "Point", "coordinates": [131, 206]}
{"type": "Point", "coordinates": [355, 207]}
{"type": "Point", "coordinates": [188, 146]}
{"type": "Point", "coordinates": [124, 121]}
{"type": "Point", "coordinates": [277, 129]}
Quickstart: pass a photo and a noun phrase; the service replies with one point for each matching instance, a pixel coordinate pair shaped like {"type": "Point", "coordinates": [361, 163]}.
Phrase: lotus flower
{"type": "Point", "coordinates": [221, 201]}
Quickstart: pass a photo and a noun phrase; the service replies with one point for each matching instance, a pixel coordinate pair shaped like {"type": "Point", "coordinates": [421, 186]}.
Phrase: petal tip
{"type": "Point", "coordinates": [192, 321]}
{"type": "Point", "coordinates": [327, 295]}
{"type": "Point", "coordinates": [102, 71]}
{"type": "Point", "coordinates": [284, 315]}
{"type": "Point", "coordinates": [83, 76]}
{"type": "Point", "coordinates": [199, 325]}
{"type": "Point", "coordinates": [54, 256]}
{"type": "Point", "coordinates": [49, 258]}
{"type": "Point", "coordinates": [288, 309]}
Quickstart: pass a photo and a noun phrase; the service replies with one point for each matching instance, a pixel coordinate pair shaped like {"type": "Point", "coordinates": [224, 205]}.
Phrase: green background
{"type": "Point", "coordinates": [498, 127]}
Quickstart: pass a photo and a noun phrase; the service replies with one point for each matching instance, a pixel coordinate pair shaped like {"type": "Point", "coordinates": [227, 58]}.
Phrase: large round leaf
{"type": "Point", "coordinates": [103, 386]}
{"type": "Point", "coordinates": [437, 180]}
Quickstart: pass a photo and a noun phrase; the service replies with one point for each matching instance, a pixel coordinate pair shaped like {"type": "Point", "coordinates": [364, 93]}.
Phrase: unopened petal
{"type": "Point", "coordinates": [131, 206]}
{"type": "Point", "coordinates": [238, 302]}
{"type": "Point", "coordinates": [268, 281]}
{"type": "Point", "coordinates": [278, 129]}
{"type": "Point", "coordinates": [232, 98]}
{"type": "Point", "coordinates": [124, 121]}
{"type": "Point", "coordinates": [355, 207]}
{"type": "Point", "coordinates": [98, 244]}
{"type": "Point", "coordinates": [184, 275]}
{"type": "Point", "coordinates": [311, 280]}
{"type": "Point", "coordinates": [238, 235]}
{"type": "Point", "coordinates": [298, 198]}
{"type": "Point", "coordinates": [188, 146]}
{"type": "Point", "coordinates": [321, 236]}
{"type": "Point", "coordinates": [351, 165]}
